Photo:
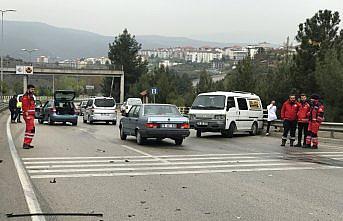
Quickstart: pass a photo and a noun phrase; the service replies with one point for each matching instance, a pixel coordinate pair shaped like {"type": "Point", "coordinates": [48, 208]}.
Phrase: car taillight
{"type": "Point", "coordinates": [185, 126]}
{"type": "Point", "coordinates": [151, 125]}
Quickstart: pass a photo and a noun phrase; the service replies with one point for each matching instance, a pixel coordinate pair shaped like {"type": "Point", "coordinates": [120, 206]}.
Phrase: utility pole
{"type": "Point", "coordinates": [3, 11]}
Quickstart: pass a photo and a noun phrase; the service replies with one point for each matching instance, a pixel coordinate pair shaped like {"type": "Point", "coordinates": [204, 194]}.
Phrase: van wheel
{"type": "Point", "coordinates": [254, 129]}
{"type": "Point", "coordinates": [178, 141]}
{"type": "Point", "coordinates": [229, 132]}
{"type": "Point", "coordinates": [198, 133]}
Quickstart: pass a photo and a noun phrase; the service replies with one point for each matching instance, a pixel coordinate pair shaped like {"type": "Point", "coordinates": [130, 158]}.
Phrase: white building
{"type": "Point", "coordinates": [42, 59]}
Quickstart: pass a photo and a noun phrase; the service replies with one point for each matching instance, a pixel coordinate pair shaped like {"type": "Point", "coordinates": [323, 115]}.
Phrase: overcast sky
{"type": "Point", "coordinates": [216, 20]}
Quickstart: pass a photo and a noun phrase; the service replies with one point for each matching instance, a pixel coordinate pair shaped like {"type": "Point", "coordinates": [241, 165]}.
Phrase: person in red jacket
{"type": "Point", "coordinates": [29, 116]}
{"type": "Point", "coordinates": [316, 117]}
{"type": "Point", "coordinates": [289, 112]}
{"type": "Point", "coordinates": [304, 108]}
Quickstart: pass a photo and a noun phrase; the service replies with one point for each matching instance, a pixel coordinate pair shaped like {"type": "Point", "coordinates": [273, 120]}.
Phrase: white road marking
{"type": "Point", "coordinates": [144, 153]}
{"type": "Point", "coordinates": [177, 172]}
{"type": "Point", "coordinates": [30, 196]}
{"type": "Point", "coordinates": [147, 156]}
{"type": "Point", "coordinates": [164, 168]}
{"type": "Point", "coordinates": [150, 164]}
{"type": "Point", "coordinates": [138, 160]}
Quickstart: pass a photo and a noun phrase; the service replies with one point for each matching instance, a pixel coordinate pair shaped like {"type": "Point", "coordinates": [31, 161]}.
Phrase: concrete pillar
{"type": "Point", "coordinates": [25, 80]}
{"type": "Point", "coordinates": [122, 88]}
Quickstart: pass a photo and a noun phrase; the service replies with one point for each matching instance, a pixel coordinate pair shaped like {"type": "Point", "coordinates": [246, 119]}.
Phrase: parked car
{"type": "Point", "coordinates": [128, 104]}
{"type": "Point", "coordinates": [82, 107]}
{"type": "Point", "coordinates": [227, 112]}
{"type": "Point", "coordinates": [38, 108]}
{"type": "Point", "coordinates": [60, 109]}
{"type": "Point", "coordinates": [100, 109]}
{"type": "Point", "coordinates": [154, 121]}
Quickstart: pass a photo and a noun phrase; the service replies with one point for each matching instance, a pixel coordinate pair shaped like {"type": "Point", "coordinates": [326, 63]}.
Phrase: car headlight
{"type": "Point", "coordinates": [219, 117]}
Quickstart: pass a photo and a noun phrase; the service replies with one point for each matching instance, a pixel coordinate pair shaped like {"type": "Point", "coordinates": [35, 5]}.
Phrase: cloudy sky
{"type": "Point", "coordinates": [216, 20]}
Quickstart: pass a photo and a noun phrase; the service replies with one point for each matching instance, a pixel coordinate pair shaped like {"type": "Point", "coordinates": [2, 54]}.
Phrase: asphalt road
{"type": "Point", "coordinates": [208, 178]}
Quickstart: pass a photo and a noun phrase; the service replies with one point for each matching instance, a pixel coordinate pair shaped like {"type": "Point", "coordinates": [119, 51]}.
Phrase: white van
{"type": "Point", "coordinates": [128, 104]}
{"type": "Point", "coordinates": [227, 112]}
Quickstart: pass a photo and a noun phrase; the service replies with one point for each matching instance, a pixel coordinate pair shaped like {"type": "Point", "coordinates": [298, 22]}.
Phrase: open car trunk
{"type": "Point", "coordinates": [65, 108]}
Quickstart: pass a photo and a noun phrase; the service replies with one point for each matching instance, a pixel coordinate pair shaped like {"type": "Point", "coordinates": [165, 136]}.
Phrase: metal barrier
{"type": "Point", "coordinates": [3, 106]}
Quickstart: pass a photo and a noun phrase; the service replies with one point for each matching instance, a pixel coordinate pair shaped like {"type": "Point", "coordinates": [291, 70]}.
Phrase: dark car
{"type": "Point", "coordinates": [38, 108]}
{"type": "Point", "coordinates": [154, 121]}
{"type": "Point", "coordinates": [61, 109]}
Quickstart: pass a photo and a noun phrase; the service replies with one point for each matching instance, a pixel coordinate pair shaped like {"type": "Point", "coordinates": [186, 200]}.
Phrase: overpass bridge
{"type": "Point", "coordinates": [48, 69]}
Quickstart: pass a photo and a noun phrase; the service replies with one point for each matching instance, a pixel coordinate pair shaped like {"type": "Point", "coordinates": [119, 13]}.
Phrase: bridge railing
{"type": "Point", "coordinates": [67, 65]}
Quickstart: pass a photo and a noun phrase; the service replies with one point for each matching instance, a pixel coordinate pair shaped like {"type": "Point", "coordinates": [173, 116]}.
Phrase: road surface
{"type": "Point", "coordinates": [88, 169]}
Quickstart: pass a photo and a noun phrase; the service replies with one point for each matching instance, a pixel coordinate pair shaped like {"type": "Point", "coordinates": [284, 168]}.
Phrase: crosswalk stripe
{"type": "Point", "coordinates": [164, 168]}
{"type": "Point", "coordinates": [151, 164]}
{"type": "Point", "coordinates": [176, 172]}
{"type": "Point", "coordinates": [140, 160]}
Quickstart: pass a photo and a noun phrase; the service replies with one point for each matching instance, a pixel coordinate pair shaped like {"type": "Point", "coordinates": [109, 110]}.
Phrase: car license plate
{"type": "Point", "coordinates": [202, 123]}
{"type": "Point", "coordinates": [168, 125]}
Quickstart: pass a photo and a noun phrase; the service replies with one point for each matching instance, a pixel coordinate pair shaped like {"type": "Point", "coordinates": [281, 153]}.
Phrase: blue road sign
{"type": "Point", "coordinates": [154, 90]}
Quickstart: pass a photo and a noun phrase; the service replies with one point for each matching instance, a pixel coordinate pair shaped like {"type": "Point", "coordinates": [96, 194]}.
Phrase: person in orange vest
{"type": "Point", "coordinates": [304, 108]}
{"type": "Point", "coordinates": [315, 117]}
{"type": "Point", "coordinates": [289, 112]}
{"type": "Point", "coordinates": [29, 116]}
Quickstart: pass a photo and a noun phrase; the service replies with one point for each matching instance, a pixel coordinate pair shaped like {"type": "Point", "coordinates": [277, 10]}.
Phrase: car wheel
{"type": "Point", "coordinates": [179, 141]}
{"type": "Point", "coordinates": [254, 129]}
{"type": "Point", "coordinates": [74, 123]}
{"type": "Point", "coordinates": [198, 133]}
{"type": "Point", "coordinates": [122, 134]}
{"type": "Point", "coordinates": [114, 122]}
{"type": "Point", "coordinates": [41, 121]}
{"type": "Point", "coordinates": [140, 140]}
{"type": "Point", "coordinates": [50, 121]}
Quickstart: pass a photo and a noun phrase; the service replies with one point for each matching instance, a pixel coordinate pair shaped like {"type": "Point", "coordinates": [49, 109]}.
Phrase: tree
{"type": "Point", "coordinates": [205, 83]}
{"type": "Point", "coordinates": [123, 52]}
{"type": "Point", "coordinates": [329, 75]}
{"type": "Point", "coordinates": [315, 36]}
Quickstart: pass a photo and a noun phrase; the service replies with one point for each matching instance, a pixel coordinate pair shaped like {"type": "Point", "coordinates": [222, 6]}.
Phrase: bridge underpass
{"type": "Point", "coordinates": [74, 71]}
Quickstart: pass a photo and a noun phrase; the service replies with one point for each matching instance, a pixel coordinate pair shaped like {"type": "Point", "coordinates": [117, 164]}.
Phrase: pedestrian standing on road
{"type": "Point", "coordinates": [29, 116]}
{"type": "Point", "coordinates": [271, 108]}
{"type": "Point", "coordinates": [289, 116]}
{"type": "Point", "coordinates": [304, 108]}
{"type": "Point", "coordinates": [315, 117]}
{"type": "Point", "coordinates": [12, 106]}
{"type": "Point", "coordinates": [19, 108]}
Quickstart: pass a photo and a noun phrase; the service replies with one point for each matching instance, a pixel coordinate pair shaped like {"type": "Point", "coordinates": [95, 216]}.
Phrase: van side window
{"type": "Point", "coordinates": [255, 104]}
{"type": "Point", "coordinates": [230, 103]}
{"type": "Point", "coordinates": [242, 104]}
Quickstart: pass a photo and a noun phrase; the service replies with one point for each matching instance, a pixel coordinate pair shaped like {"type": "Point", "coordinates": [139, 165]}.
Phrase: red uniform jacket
{"type": "Point", "coordinates": [28, 104]}
{"type": "Point", "coordinates": [289, 111]}
{"type": "Point", "coordinates": [304, 109]}
{"type": "Point", "coordinates": [316, 113]}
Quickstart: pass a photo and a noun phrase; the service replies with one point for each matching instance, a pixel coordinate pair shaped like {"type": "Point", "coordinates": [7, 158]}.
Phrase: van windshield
{"type": "Point", "coordinates": [209, 102]}
{"type": "Point", "coordinates": [104, 102]}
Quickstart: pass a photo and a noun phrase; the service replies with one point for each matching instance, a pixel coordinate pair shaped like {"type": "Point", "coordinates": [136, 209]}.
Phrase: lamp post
{"type": "Point", "coordinates": [3, 11]}
{"type": "Point", "coordinates": [26, 77]}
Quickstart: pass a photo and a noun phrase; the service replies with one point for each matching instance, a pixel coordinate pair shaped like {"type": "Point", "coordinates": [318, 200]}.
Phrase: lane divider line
{"type": "Point", "coordinates": [145, 154]}
{"type": "Point", "coordinates": [30, 196]}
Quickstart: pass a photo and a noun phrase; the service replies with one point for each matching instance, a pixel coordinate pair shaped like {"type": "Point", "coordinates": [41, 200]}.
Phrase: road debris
{"type": "Point", "coordinates": [53, 181]}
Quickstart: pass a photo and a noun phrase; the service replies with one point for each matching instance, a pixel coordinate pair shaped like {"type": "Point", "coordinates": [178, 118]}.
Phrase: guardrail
{"type": "Point", "coordinates": [3, 106]}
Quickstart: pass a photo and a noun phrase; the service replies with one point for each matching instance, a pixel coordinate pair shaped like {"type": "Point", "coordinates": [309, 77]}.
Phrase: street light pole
{"type": "Point", "coordinates": [3, 11]}
{"type": "Point", "coordinates": [30, 52]}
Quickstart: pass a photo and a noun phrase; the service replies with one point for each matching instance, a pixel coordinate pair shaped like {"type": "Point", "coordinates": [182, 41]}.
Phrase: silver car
{"type": "Point", "coordinates": [100, 109]}
{"type": "Point", "coordinates": [154, 121]}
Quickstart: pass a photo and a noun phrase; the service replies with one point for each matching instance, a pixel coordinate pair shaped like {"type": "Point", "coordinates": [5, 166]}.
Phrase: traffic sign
{"type": "Point", "coordinates": [154, 90]}
{"type": "Point", "coordinates": [24, 69]}
{"type": "Point", "coordinates": [89, 87]}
